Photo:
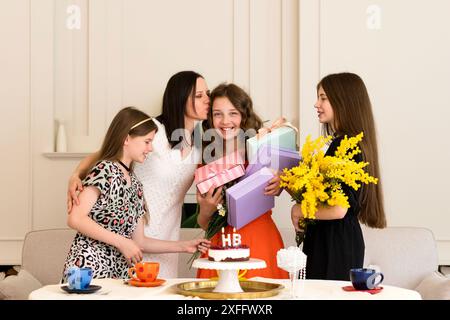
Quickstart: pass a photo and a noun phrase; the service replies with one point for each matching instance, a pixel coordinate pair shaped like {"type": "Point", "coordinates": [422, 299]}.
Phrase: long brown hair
{"type": "Point", "coordinates": [352, 109]}
{"type": "Point", "coordinates": [120, 128]}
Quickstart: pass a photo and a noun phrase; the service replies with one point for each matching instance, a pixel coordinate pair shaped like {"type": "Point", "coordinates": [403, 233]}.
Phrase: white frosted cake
{"type": "Point", "coordinates": [228, 254]}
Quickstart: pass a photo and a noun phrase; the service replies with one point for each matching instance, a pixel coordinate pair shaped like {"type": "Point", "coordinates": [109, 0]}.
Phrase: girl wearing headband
{"type": "Point", "coordinates": [168, 172]}
{"type": "Point", "coordinates": [112, 211]}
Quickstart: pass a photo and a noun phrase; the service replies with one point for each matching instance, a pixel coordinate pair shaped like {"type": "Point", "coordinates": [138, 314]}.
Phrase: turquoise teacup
{"type": "Point", "coordinates": [79, 278]}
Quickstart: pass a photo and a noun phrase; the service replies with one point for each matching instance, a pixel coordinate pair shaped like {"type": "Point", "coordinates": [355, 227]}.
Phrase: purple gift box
{"type": "Point", "coordinates": [246, 200]}
{"type": "Point", "coordinates": [274, 158]}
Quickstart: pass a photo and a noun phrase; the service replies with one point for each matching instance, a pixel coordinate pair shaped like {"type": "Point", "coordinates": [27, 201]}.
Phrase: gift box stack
{"type": "Point", "coordinates": [272, 149]}
{"type": "Point", "coordinates": [219, 172]}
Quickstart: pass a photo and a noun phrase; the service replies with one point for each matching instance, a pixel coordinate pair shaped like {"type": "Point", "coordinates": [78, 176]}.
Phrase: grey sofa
{"type": "Point", "coordinates": [406, 256]}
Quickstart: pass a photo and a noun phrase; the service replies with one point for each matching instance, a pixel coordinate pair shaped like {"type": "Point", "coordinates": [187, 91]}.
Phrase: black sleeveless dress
{"type": "Point", "coordinates": [333, 247]}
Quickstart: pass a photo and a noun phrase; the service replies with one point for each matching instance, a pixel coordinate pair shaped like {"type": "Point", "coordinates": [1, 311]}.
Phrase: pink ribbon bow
{"type": "Point", "coordinates": [280, 122]}
{"type": "Point", "coordinates": [212, 172]}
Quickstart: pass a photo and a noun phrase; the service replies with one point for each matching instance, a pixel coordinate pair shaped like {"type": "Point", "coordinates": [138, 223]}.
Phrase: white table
{"type": "Point", "coordinates": [306, 290]}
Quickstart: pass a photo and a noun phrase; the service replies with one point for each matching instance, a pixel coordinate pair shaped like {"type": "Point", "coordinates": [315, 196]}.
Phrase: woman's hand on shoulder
{"type": "Point", "coordinates": [74, 188]}
{"type": "Point", "coordinates": [75, 185]}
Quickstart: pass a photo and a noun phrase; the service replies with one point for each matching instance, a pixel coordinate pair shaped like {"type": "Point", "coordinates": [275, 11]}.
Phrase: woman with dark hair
{"type": "Point", "coordinates": [168, 172]}
{"type": "Point", "coordinates": [334, 243]}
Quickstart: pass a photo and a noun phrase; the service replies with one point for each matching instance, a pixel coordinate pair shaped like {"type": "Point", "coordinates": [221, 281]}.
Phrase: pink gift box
{"type": "Point", "coordinates": [219, 172]}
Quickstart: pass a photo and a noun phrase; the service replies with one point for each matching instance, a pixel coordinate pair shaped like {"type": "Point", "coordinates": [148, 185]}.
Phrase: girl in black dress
{"type": "Point", "coordinates": [334, 243]}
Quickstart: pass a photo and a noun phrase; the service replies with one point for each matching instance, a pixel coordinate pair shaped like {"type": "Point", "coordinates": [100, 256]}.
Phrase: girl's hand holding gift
{"type": "Point", "coordinates": [273, 188]}
{"type": "Point", "coordinates": [208, 203]}
{"type": "Point", "coordinates": [210, 200]}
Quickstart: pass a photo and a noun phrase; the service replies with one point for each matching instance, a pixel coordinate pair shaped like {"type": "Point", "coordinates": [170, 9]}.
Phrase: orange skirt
{"type": "Point", "coordinates": [264, 240]}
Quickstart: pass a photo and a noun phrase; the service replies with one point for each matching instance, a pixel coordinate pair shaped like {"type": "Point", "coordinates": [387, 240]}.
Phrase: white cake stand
{"type": "Point", "coordinates": [228, 272]}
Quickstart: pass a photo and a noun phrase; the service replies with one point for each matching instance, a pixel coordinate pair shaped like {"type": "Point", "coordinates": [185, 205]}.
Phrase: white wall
{"type": "Point", "coordinates": [406, 68]}
{"type": "Point", "coordinates": [15, 169]}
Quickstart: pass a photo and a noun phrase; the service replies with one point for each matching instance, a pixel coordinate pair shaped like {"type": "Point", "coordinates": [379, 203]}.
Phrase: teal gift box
{"type": "Point", "coordinates": [283, 137]}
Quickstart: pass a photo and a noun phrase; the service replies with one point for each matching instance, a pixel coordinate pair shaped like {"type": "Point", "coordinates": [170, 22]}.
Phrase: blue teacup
{"type": "Point", "coordinates": [79, 278]}
{"type": "Point", "coordinates": [365, 279]}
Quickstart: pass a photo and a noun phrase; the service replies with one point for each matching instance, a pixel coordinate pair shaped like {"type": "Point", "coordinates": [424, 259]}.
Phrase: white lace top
{"type": "Point", "coordinates": [166, 178]}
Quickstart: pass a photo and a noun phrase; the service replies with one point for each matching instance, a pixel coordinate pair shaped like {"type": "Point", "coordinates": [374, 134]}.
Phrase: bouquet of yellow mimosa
{"type": "Point", "coordinates": [317, 180]}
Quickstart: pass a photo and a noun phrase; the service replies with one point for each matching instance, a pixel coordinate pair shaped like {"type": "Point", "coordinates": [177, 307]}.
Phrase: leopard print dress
{"type": "Point", "coordinates": [118, 209]}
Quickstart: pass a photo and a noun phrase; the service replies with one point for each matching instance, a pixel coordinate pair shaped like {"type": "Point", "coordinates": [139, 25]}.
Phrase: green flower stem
{"type": "Point", "coordinates": [216, 223]}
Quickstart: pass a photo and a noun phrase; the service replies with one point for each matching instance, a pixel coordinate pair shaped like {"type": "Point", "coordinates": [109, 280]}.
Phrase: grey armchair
{"type": "Point", "coordinates": [43, 256]}
{"type": "Point", "coordinates": [408, 258]}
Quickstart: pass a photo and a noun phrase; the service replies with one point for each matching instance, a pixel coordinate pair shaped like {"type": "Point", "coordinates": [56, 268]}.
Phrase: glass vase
{"type": "Point", "coordinates": [293, 276]}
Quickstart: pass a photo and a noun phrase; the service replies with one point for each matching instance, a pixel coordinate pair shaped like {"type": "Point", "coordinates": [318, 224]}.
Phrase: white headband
{"type": "Point", "coordinates": [139, 123]}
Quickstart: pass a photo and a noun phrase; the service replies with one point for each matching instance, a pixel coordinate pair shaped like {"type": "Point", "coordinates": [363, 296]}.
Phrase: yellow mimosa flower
{"type": "Point", "coordinates": [317, 180]}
